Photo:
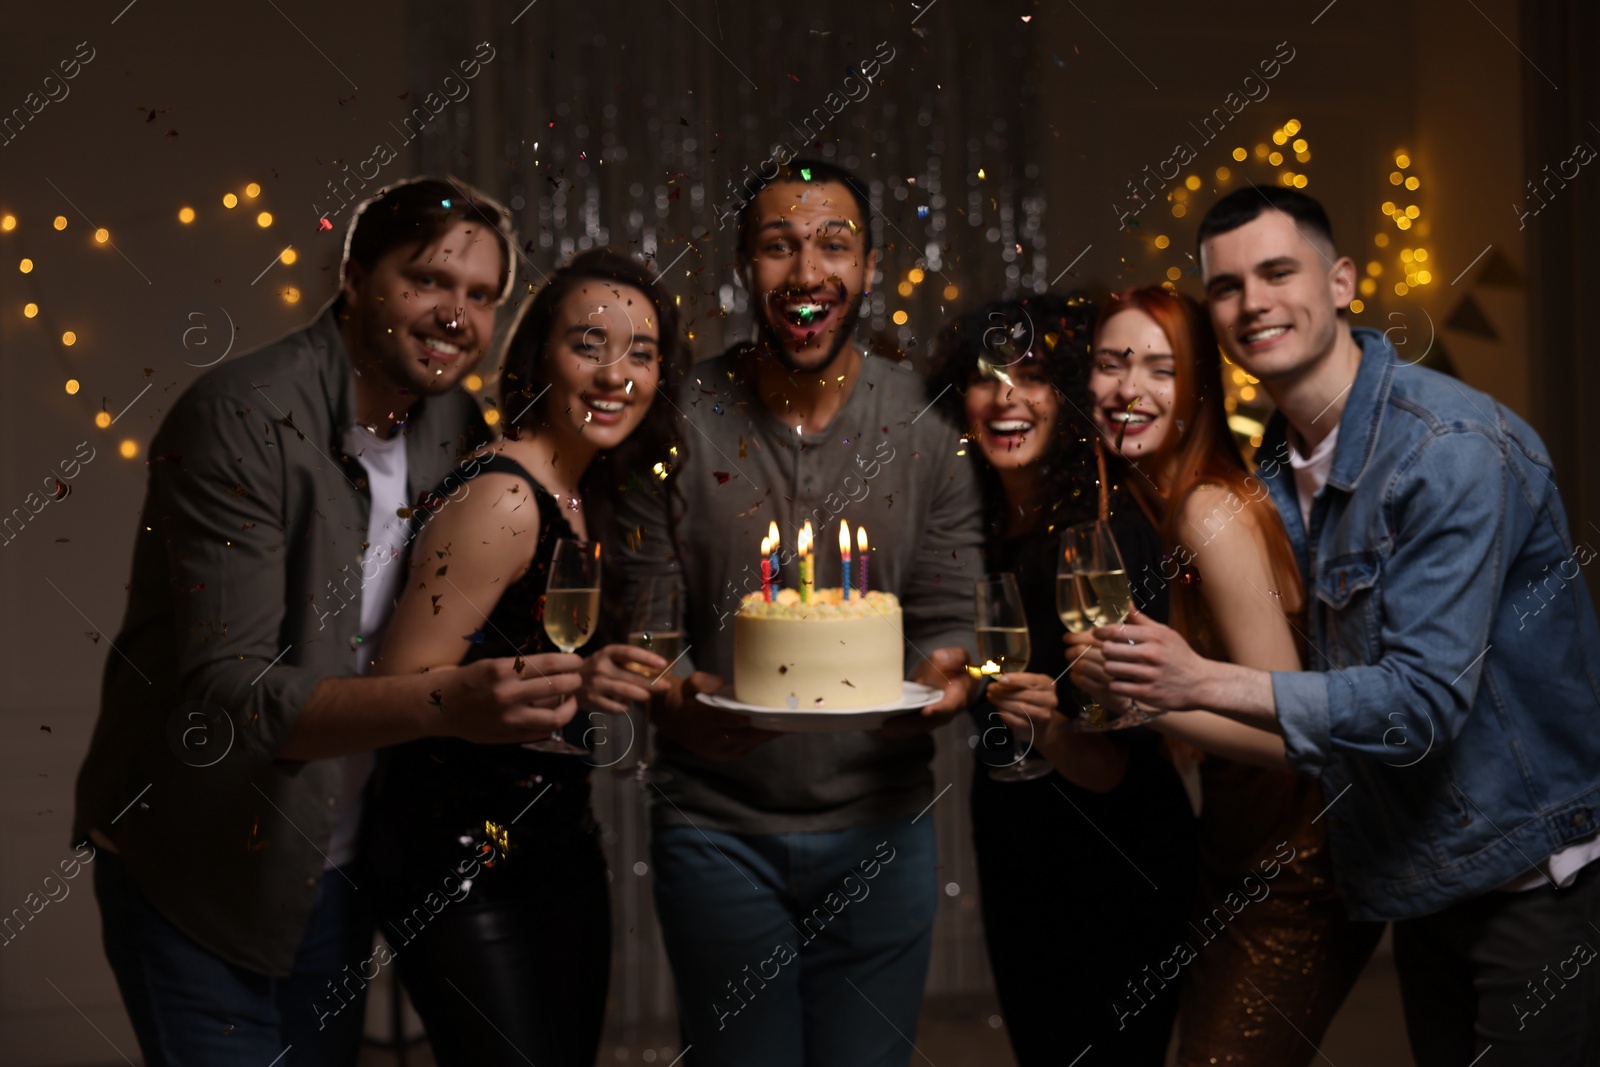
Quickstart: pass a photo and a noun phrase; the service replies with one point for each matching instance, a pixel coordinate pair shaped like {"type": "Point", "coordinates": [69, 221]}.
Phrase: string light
{"type": "Point", "coordinates": [8, 223]}
{"type": "Point", "coordinates": [129, 448]}
{"type": "Point", "coordinates": [60, 222]}
{"type": "Point", "coordinates": [916, 275]}
{"type": "Point", "coordinates": [229, 200]}
{"type": "Point", "coordinates": [29, 310]}
{"type": "Point", "coordinates": [288, 256]}
{"type": "Point", "coordinates": [264, 219]}
{"type": "Point", "coordinates": [102, 419]}
{"type": "Point", "coordinates": [26, 266]}
{"type": "Point", "coordinates": [186, 215]}
{"type": "Point", "coordinates": [72, 387]}
{"type": "Point", "coordinates": [900, 318]}
{"type": "Point", "coordinates": [252, 190]}
{"type": "Point", "coordinates": [69, 338]}
{"type": "Point", "coordinates": [102, 235]}
{"type": "Point", "coordinates": [1162, 241]}
{"type": "Point", "coordinates": [1240, 154]}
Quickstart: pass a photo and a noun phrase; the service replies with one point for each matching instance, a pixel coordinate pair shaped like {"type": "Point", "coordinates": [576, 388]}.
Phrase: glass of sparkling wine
{"type": "Point", "coordinates": [656, 628]}
{"type": "Point", "coordinates": [1092, 590]}
{"type": "Point", "coordinates": [571, 612]}
{"type": "Point", "coordinates": [1002, 626]}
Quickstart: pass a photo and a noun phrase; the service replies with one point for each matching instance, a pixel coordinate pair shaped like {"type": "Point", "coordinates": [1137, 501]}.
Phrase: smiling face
{"type": "Point", "coordinates": [601, 363]}
{"type": "Point", "coordinates": [423, 315]}
{"type": "Point", "coordinates": [1133, 383]}
{"type": "Point", "coordinates": [808, 266]}
{"type": "Point", "coordinates": [1275, 295]}
{"type": "Point", "coordinates": [1013, 424]}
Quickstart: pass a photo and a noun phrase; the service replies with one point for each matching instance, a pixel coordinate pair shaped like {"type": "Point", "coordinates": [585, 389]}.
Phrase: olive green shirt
{"type": "Point", "coordinates": [246, 592]}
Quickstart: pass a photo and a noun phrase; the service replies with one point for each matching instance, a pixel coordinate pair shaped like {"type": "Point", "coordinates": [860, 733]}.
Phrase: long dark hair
{"type": "Point", "coordinates": [1050, 329]}
{"type": "Point", "coordinates": [653, 450]}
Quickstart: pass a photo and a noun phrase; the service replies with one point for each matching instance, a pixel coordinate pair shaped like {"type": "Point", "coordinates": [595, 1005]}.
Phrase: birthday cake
{"type": "Point", "coordinates": [825, 653]}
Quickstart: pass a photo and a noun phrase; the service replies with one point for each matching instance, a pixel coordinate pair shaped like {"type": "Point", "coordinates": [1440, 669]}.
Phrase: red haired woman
{"type": "Point", "coordinates": [1273, 954]}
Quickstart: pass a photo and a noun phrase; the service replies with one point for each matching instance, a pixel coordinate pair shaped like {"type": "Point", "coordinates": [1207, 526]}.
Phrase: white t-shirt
{"type": "Point", "coordinates": [382, 578]}
{"type": "Point", "coordinates": [1560, 867]}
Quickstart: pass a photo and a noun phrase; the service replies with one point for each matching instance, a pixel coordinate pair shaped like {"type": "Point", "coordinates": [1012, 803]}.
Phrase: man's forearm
{"type": "Point", "coordinates": [1241, 693]}
{"type": "Point", "coordinates": [347, 715]}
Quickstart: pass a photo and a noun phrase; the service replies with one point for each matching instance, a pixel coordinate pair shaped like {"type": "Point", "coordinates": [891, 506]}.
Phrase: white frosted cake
{"type": "Point", "coordinates": [829, 653]}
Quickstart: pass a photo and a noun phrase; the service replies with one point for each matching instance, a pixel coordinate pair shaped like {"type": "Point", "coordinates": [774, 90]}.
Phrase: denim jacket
{"type": "Point", "coordinates": [1451, 708]}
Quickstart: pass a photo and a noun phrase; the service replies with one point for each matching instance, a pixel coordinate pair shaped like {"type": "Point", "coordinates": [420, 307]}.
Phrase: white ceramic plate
{"type": "Point", "coordinates": [825, 721]}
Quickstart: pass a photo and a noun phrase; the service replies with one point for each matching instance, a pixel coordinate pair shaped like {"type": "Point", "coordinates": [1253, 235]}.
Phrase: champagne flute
{"type": "Point", "coordinates": [656, 627]}
{"type": "Point", "coordinates": [1100, 596]}
{"type": "Point", "coordinates": [571, 611]}
{"type": "Point", "coordinates": [1002, 630]}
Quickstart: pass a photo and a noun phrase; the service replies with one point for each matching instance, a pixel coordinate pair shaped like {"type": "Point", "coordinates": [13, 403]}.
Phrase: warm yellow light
{"type": "Point", "coordinates": [1275, 158]}
{"type": "Point", "coordinates": [1178, 194]}
{"type": "Point", "coordinates": [288, 256]}
{"type": "Point", "coordinates": [229, 200]}
{"type": "Point", "coordinates": [1278, 137]}
{"type": "Point", "coordinates": [1422, 255]}
{"type": "Point", "coordinates": [915, 275]}
{"type": "Point", "coordinates": [72, 387]}
{"type": "Point", "coordinates": [29, 310]}
{"type": "Point", "coordinates": [1300, 145]}
{"type": "Point", "coordinates": [1406, 255]}
{"type": "Point", "coordinates": [102, 235]}
{"type": "Point", "coordinates": [26, 266]}
{"type": "Point", "coordinates": [1412, 211]}
{"type": "Point", "coordinates": [1162, 240]}
{"type": "Point", "coordinates": [1286, 177]}
{"type": "Point", "coordinates": [951, 292]}
{"type": "Point", "coordinates": [102, 419]}
{"type": "Point", "coordinates": [1238, 376]}
{"type": "Point", "coordinates": [264, 219]}
{"type": "Point", "coordinates": [1292, 127]}
{"type": "Point", "coordinates": [491, 416]}
{"type": "Point", "coordinates": [1357, 306]}
{"type": "Point", "coordinates": [1247, 393]}
{"type": "Point", "coordinates": [1301, 181]}
{"type": "Point", "coordinates": [1424, 277]}
{"type": "Point", "coordinates": [186, 215]}
{"type": "Point", "coordinates": [1401, 288]}
{"type": "Point", "coordinates": [291, 295]}
{"type": "Point", "coordinates": [128, 448]}
{"type": "Point", "coordinates": [1192, 181]}
{"type": "Point", "coordinates": [1374, 268]}
{"type": "Point", "coordinates": [1413, 183]}
{"type": "Point", "coordinates": [1261, 151]}
{"type": "Point", "coordinates": [904, 288]}
{"type": "Point", "coordinates": [900, 318]}
{"type": "Point", "coordinates": [1402, 161]}
{"type": "Point", "coordinates": [1395, 177]}
{"type": "Point", "coordinates": [1402, 222]}
{"type": "Point", "coordinates": [69, 338]}
{"type": "Point", "coordinates": [1388, 207]}
{"type": "Point", "coordinates": [1179, 211]}
{"type": "Point", "coordinates": [474, 382]}
{"type": "Point", "coordinates": [1240, 154]}
{"type": "Point", "coordinates": [8, 223]}
{"type": "Point", "coordinates": [252, 190]}
{"type": "Point", "coordinates": [1381, 240]}
{"type": "Point", "coordinates": [981, 174]}
{"type": "Point", "coordinates": [60, 222]}
{"type": "Point", "coordinates": [1303, 157]}
{"type": "Point", "coordinates": [1174, 273]}
{"type": "Point", "coordinates": [1368, 286]}
{"type": "Point", "coordinates": [1223, 174]}
{"type": "Point", "coordinates": [844, 538]}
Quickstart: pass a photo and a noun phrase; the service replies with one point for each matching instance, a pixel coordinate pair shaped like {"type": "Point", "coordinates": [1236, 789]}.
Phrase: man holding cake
{"type": "Point", "coordinates": [794, 871]}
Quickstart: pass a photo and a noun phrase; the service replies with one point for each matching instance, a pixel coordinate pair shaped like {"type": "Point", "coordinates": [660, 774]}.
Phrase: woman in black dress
{"type": "Point", "coordinates": [1086, 874]}
{"type": "Point", "coordinates": [492, 887]}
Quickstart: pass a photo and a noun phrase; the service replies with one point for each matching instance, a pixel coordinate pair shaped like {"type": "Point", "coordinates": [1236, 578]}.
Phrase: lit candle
{"type": "Point", "coordinates": [803, 543]}
{"type": "Point", "coordinates": [861, 550]}
{"type": "Point", "coordinates": [766, 569]}
{"type": "Point", "coordinates": [772, 540]}
{"type": "Point", "coordinates": [844, 556]}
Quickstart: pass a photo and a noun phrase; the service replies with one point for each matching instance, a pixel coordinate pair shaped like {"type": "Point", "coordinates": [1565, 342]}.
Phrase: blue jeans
{"type": "Point", "coordinates": [192, 1009]}
{"type": "Point", "coordinates": [801, 949]}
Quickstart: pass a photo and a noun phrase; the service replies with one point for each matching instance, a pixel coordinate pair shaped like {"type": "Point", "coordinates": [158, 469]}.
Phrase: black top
{"type": "Point", "coordinates": [438, 802]}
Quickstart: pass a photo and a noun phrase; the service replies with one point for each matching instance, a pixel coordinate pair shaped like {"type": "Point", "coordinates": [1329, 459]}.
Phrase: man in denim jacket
{"type": "Point", "coordinates": [1452, 708]}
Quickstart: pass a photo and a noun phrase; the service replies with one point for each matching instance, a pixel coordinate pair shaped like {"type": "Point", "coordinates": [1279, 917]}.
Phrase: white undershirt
{"type": "Point", "coordinates": [382, 574]}
{"type": "Point", "coordinates": [1561, 867]}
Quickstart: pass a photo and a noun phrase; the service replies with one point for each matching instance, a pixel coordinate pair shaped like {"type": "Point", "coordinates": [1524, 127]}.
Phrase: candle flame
{"type": "Point", "coordinates": [766, 547]}
{"type": "Point", "coordinates": [772, 536]}
{"type": "Point", "coordinates": [861, 538]}
{"type": "Point", "coordinates": [844, 539]}
{"type": "Point", "coordinates": [803, 542]}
